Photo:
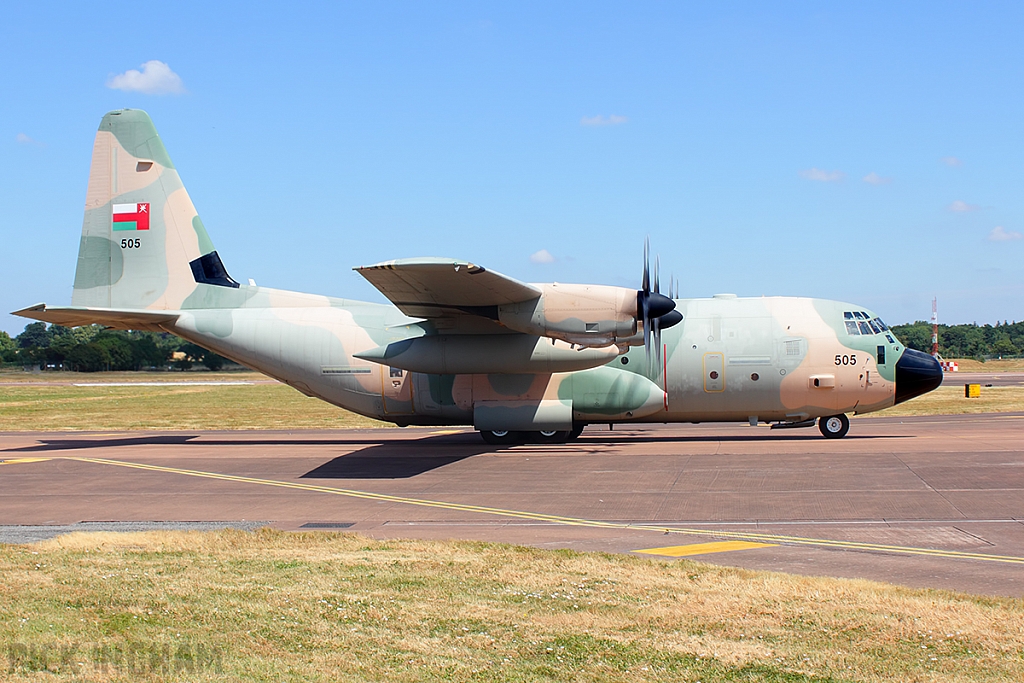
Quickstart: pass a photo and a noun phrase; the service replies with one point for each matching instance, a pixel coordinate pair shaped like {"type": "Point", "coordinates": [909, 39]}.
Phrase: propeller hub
{"type": "Point", "coordinates": [653, 305]}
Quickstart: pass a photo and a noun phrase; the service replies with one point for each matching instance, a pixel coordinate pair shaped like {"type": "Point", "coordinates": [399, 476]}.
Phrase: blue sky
{"type": "Point", "coordinates": [868, 152]}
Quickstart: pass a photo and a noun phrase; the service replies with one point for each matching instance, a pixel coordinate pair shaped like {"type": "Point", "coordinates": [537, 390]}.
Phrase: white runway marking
{"type": "Point", "coordinates": [159, 384]}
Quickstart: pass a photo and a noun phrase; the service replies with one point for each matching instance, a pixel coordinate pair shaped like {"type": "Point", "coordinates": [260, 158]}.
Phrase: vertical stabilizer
{"type": "Point", "coordinates": [143, 245]}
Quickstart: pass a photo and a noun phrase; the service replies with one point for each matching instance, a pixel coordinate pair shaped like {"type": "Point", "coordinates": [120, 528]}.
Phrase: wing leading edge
{"type": "Point", "coordinates": [440, 288]}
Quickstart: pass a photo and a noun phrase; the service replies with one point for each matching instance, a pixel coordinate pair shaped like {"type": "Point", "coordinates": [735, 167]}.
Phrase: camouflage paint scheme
{"type": "Point", "coordinates": [462, 345]}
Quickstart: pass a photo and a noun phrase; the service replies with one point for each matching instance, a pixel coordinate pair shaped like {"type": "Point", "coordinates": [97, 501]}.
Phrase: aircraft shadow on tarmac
{"type": "Point", "coordinates": [76, 444]}
{"type": "Point", "coordinates": [412, 457]}
{"type": "Point", "coordinates": [401, 458]}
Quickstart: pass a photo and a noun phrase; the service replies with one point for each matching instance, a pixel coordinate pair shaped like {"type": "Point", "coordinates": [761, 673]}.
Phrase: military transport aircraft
{"type": "Point", "coordinates": [463, 345]}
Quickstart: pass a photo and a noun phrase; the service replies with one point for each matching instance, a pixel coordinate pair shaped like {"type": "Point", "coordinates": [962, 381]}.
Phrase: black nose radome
{"type": "Point", "coordinates": [916, 373]}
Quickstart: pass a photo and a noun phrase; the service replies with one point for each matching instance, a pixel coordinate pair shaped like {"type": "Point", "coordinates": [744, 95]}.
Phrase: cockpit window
{"type": "Point", "coordinates": [859, 322]}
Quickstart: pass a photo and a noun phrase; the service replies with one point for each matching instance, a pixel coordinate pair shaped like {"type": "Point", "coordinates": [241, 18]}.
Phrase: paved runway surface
{"type": "Point", "coordinates": [989, 379]}
{"type": "Point", "coordinates": [929, 501]}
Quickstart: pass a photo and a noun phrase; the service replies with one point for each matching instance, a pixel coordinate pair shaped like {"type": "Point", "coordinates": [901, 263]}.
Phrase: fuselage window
{"type": "Point", "coordinates": [881, 354]}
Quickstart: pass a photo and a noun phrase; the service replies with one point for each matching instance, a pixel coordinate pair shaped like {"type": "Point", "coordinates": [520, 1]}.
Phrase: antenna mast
{"type": "Point", "coordinates": [935, 328]}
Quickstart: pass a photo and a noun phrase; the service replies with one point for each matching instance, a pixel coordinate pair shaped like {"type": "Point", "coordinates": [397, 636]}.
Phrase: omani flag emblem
{"type": "Point", "coordinates": [131, 216]}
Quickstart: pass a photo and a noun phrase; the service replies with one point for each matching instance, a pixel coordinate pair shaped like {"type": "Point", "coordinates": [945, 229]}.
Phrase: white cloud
{"type": "Point", "coordinates": [23, 139]}
{"type": "Point", "coordinates": [960, 206]}
{"type": "Point", "coordinates": [1001, 234]}
{"type": "Point", "coordinates": [951, 161]}
{"type": "Point", "coordinates": [156, 78]}
{"type": "Point", "coordinates": [875, 179]}
{"type": "Point", "coordinates": [599, 120]}
{"type": "Point", "coordinates": [822, 176]}
{"type": "Point", "coordinates": [542, 256]}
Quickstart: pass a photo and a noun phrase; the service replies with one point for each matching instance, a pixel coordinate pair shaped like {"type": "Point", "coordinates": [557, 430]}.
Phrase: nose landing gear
{"type": "Point", "coordinates": [834, 426]}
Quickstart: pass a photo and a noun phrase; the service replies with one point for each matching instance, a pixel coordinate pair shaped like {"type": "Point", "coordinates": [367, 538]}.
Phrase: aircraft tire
{"type": "Point", "coordinates": [834, 426]}
{"type": "Point", "coordinates": [577, 429]}
{"type": "Point", "coordinates": [500, 438]}
{"type": "Point", "coordinates": [549, 437]}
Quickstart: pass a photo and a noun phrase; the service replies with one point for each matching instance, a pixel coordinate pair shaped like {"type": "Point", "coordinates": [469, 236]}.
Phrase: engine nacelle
{"type": "Point", "coordinates": [586, 315]}
{"type": "Point", "coordinates": [470, 354]}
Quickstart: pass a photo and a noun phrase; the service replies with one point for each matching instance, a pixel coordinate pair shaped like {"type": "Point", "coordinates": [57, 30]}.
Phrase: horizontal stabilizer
{"type": "Point", "coordinates": [118, 319]}
{"type": "Point", "coordinates": [435, 287]}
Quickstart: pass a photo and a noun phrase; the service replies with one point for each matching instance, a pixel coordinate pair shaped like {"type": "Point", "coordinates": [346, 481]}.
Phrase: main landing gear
{"type": "Point", "coordinates": [508, 438]}
{"type": "Point", "coordinates": [834, 426]}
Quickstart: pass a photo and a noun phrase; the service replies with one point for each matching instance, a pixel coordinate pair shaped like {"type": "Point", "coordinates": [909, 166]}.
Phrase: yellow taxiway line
{"type": "Point", "coordinates": [704, 548]}
{"type": "Point", "coordinates": [771, 539]}
{"type": "Point", "coordinates": [15, 461]}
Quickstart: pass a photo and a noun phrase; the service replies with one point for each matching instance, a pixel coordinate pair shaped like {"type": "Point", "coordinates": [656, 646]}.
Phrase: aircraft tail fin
{"type": "Point", "coordinates": [143, 244]}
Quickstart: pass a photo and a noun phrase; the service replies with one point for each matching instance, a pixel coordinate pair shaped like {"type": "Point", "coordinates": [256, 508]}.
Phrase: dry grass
{"type": "Point", "coordinates": [950, 400]}
{"type": "Point", "coordinates": [329, 607]}
{"type": "Point", "coordinates": [256, 406]}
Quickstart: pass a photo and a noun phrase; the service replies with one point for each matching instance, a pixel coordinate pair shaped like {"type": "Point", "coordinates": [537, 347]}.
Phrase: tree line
{"type": "Point", "coordinates": [95, 348]}
{"type": "Point", "coordinates": [965, 341]}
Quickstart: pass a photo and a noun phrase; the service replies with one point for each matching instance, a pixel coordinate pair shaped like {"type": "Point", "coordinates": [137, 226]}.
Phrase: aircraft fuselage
{"type": "Point", "coordinates": [731, 359]}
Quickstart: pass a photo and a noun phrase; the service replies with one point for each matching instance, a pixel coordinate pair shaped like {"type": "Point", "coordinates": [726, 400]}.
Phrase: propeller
{"type": "Point", "coordinates": [655, 310]}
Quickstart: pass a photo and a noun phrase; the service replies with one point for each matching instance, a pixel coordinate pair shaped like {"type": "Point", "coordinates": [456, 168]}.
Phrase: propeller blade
{"type": "Point", "coordinates": [647, 266]}
{"type": "Point", "coordinates": [657, 282]}
{"type": "Point", "coordinates": [656, 340]}
{"type": "Point", "coordinates": [647, 338]}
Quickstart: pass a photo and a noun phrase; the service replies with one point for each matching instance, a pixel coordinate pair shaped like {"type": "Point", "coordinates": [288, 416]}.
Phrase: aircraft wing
{"type": "Point", "coordinates": [442, 288]}
{"type": "Point", "coordinates": [118, 319]}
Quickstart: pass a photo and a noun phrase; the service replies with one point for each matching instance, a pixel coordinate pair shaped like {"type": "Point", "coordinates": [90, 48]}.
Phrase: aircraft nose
{"type": "Point", "coordinates": [916, 373]}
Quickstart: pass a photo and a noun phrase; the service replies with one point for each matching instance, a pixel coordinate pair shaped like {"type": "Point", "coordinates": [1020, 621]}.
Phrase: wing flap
{"type": "Point", "coordinates": [432, 288]}
{"type": "Point", "coordinates": [118, 319]}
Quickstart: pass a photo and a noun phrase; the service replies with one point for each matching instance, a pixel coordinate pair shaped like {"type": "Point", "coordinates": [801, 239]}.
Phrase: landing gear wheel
{"type": "Point", "coordinates": [834, 426]}
{"type": "Point", "coordinates": [577, 429]}
{"type": "Point", "coordinates": [500, 438]}
{"type": "Point", "coordinates": [545, 436]}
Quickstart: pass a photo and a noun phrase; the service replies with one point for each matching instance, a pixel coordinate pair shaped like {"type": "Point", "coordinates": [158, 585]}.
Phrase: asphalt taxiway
{"type": "Point", "coordinates": [926, 501]}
